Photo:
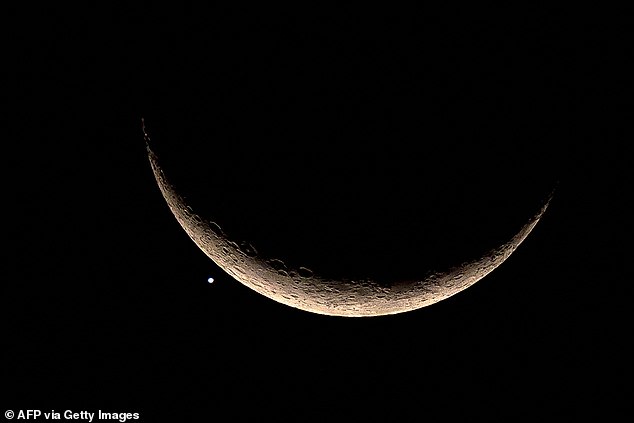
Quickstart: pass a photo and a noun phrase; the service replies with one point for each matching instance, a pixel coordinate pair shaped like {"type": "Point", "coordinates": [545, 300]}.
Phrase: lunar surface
{"type": "Point", "coordinates": [302, 289]}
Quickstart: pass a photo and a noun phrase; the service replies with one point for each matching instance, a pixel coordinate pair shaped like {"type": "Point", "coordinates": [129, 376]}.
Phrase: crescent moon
{"type": "Point", "coordinates": [302, 289]}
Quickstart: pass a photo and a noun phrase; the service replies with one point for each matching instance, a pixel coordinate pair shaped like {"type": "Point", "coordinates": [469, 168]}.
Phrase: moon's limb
{"type": "Point", "coordinates": [301, 289]}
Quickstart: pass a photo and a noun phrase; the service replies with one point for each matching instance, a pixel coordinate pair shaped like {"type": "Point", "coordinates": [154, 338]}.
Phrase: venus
{"type": "Point", "coordinates": [302, 289]}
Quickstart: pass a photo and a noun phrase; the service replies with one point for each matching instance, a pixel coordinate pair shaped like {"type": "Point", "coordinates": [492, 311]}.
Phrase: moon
{"type": "Point", "coordinates": [301, 288]}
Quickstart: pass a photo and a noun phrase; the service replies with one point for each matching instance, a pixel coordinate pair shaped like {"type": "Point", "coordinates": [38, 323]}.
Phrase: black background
{"type": "Point", "coordinates": [354, 142]}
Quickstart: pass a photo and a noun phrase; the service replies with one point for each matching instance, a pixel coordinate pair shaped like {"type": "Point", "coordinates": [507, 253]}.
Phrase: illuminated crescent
{"type": "Point", "coordinates": [302, 289]}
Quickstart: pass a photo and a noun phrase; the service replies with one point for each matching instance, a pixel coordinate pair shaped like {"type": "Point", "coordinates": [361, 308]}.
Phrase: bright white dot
{"type": "Point", "coordinates": [210, 280]}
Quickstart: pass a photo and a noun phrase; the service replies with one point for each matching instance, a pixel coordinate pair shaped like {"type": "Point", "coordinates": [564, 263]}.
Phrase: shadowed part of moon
{"type": "Point", "coordinates": [302, 289]}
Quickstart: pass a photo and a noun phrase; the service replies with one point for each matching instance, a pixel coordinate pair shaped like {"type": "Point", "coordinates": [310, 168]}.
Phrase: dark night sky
{"type": "Point", "coordinates": [383, 143]}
